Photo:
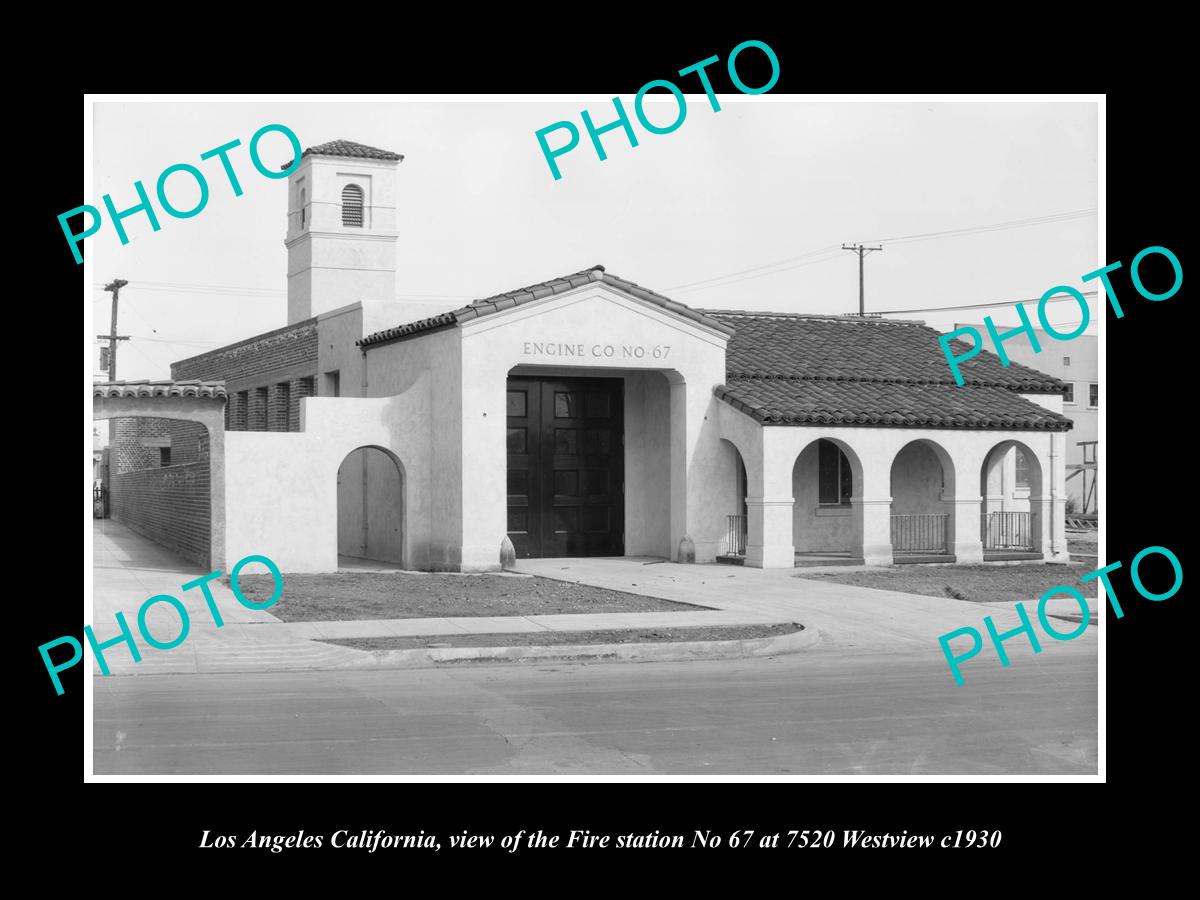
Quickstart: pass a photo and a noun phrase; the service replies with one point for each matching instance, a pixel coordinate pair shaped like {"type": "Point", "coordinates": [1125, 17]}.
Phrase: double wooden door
{"type": "Point", "coordinates": [566, 467]}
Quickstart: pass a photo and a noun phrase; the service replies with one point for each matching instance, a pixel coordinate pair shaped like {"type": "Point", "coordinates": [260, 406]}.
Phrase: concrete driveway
{"type": "Point", "coordinates": [849, 617]}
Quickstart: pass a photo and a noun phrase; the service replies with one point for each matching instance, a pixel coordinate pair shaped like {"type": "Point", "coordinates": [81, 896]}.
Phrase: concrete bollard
{"type": "Point", "coordinates": [508, 554]}
{"type": "Point", "coordinates": [687, 550]}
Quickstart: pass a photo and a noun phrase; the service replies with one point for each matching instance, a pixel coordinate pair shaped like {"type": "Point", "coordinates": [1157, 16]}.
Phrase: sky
{"type": "Point", "coordinates": [745, 208]}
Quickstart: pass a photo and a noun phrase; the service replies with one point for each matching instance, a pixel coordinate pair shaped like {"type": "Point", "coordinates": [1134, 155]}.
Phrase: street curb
{"type": "Point", "coordinates": [429, 657]}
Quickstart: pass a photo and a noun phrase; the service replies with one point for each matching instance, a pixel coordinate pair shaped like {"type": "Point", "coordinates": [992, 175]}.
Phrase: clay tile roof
{"type": "Point", "coordinates": [509, 299]}
{"type": "Point", "coordinates": [796, 370]}
{"type": "Point", "coordinates": [346, 148]}
{"type": "Point", "coordinates": [142, 389]}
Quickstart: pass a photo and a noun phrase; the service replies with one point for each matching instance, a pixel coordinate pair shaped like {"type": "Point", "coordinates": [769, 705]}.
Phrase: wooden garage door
{"type": "Point", "coordinates": [566, 467]}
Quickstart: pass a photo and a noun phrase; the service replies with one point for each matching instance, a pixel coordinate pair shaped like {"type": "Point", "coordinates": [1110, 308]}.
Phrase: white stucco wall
{"type": "Point", "coordinates": [337, 332]}
{"type": "Point", "coordinates": [395, 368]}
{"type": "Point", "coordinates": [917, 482]}
{"type": "Point", "coordinates": [647, 465]}
{"type": "Point", "coordinates": [330, 264]}
{"type": "Point", "coordinates": [282, 486]}
{"type": "Point", "coordinates": [607, 332]}
{"type": "Point", "coordinates": [816, 528]}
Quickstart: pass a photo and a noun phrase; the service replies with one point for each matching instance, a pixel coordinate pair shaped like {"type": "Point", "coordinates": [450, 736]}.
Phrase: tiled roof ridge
{"type": "Point", "coordinates": [190, 387]}
{"type": "Point", "coordinates": [1028, 386]}
{"type": "Point", "coordinates": [498, 302]}
{"type": "Point", "coordinates": [826, 317]}
{"type": "Point", "coordinates": [343, 147]}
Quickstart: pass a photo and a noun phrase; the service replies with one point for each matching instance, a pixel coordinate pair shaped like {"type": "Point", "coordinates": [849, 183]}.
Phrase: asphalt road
{"type": "Point", "coordinates": [816, 713]}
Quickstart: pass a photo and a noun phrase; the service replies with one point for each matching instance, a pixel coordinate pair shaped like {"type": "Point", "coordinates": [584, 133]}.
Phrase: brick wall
{"type": "Point", "coordinates": [128, 453]}
{"type": "Point", "coordinates": [259, 399]}
{"type": "Point", "coordinates": [301, 387]}
{"type": "Point", "coordinates": [277, 406]}
{"type": "Point", "coordinates": [170, 506]}
{"type": "Point", "coordinates": [185, 441]}
{"type": "Point", "coordinates": [256, 410]}
{"type": "Point", "coordinates": [259, 355]}
{"type": "Point", "coordinates": [235, 411]}
{"type": "Point", "coordinates": [130, 436]}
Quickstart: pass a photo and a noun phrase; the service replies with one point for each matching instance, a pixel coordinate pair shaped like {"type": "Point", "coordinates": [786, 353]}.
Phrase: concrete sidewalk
{"type": "Point", "coordinates": [128, 569]}
{"type": "Point", "coordinates": [849, 617]}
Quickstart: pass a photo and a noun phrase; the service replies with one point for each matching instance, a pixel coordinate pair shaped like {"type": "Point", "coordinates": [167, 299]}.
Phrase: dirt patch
{"type": "Point", "coordinates": [1082, 544]}
{"type": "Point", "coordinates": [976, 584]}
{"type": "Point", "coordinates": [348, 596]}
{"type": "Point", "coordinates": [556, 638]}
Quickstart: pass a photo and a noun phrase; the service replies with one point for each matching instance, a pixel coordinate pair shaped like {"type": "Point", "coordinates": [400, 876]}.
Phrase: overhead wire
{"type": "Point", "coordinates": [892, 312]}
{"type": "Point", "coordinates": [1050, 218]}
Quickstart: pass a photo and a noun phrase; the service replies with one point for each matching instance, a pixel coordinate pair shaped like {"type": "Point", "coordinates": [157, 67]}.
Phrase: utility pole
{"type": "Point", "coordinates": [857, 248]}
{"type": "Point", "coordinates": [112, 337]}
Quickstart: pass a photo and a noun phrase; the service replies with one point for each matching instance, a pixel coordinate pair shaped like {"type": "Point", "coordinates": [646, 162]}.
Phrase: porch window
{"type": "Point", "coordinates": [835, 482]}
{"type": "Point", "coordinates": [1022, 469]}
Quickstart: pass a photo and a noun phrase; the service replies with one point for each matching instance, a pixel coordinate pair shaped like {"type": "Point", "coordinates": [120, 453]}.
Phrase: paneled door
{"type": "Point", "coordinates": [566, 466]}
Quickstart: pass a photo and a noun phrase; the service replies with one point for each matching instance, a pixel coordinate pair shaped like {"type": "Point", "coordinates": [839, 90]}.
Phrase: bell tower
{"type": "Point", "coordinates": [341, 228]}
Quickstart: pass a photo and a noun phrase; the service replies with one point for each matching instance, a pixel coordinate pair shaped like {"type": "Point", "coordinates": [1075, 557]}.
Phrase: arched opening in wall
{"type": "Point", "coordinates": [155, 479]}
{"type": "Point", "coordinates": [370, 509]}
{"type": "Point", "coordinates": [1015, 504]}
{"type": "Point", "coordinates": [922, 515]}
{"type": "Point", "coordinates": [732, 496]}
{"type": "Point", "coordinates": [826, 514]}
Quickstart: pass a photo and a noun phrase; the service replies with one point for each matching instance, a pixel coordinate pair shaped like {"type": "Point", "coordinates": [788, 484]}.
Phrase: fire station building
{"type": "Point", "coordinates": [590, 416]}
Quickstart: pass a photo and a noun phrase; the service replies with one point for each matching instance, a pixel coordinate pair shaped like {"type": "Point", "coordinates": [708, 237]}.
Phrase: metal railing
{"type": "Point", "coordinates": [920, 533]}
{"type": "Point", "coordinates": [1008, 531]}
{"type": "Point", "coordinates": [735, 536]}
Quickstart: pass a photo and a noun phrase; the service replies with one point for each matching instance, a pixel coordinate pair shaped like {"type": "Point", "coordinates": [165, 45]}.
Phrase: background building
{"type": "Point", "coordinates": [1076, 363]}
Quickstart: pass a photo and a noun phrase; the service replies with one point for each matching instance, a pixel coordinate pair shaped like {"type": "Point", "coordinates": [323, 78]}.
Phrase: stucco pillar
{"type": "Point", "coordinates": [680, 445]}
{"type": "Point", "coordinates": [966, 526]}
{"type": "Point", "coordinates": [769, 538]}
{"type": "Point", "coordinates": [1053, 505]}
{"type": "Point", "coordinates": [769, 543]}
{"type": "Point", "coordinates": [876, 513]}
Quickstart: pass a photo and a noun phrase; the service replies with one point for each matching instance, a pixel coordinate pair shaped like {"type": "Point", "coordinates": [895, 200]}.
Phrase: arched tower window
{"type": "Point", "coordinates": [303, 210]}
{"type": "Point", "coordinates": [352, 206]}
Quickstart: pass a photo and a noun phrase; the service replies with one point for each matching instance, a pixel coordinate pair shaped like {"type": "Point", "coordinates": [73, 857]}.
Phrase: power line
{"type": "Point", "coordinates": [904, 238]}
{"type": "Point", "coordinates": [753, 268]}
{"type": "Point", "coordinates": [836, 253]}
{"type": "Point", "coordinates": [892, 312]}
{"type": "Point", "coordinates": [177, 343]}
{"type": "Point", "coordinates": [265, 293]}
{"type": "Point", "coordinates": [997, 226]}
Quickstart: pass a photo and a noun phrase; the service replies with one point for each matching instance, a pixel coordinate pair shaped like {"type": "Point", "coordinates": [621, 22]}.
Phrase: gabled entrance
{"type": "Point", "coordinates": [565, 443]}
